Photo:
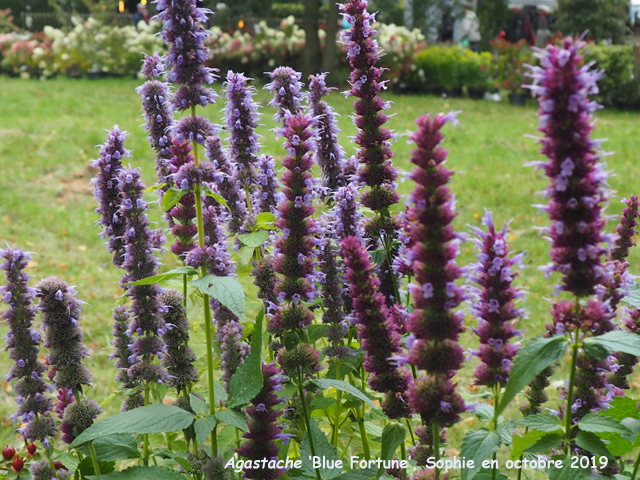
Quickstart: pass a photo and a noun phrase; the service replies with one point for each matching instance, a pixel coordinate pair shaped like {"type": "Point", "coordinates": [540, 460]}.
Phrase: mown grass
{"type": "Point", "coordinates": [49, 132]}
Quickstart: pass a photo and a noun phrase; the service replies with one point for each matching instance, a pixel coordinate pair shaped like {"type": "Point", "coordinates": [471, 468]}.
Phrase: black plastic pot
{"type": "Point", "coordinates": [519, 99]}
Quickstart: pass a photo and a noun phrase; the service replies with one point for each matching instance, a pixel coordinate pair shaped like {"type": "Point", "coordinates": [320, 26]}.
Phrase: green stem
{"type": "Point", "coordinates": [526, 430]}
{"type": "Point", "coordinates": [363, 436]}
{"type": "Point", "coordinates": [635, 467]}
{"type": "Point", "coordinates": [387, 251]}
{"type": "Point", "coordinates": [572, 379]}
{"type": "Point", "coordinates": [435, 432]}
{"type": "Point", "coordinates": [184, 293]}
{"type": "Point", "coordinates": [205, 298]}
{"type": "Point", "coordinates": [496, 401]}
{"type": "Point", "coordinates": [413, 440]}
{"type": "Point", "coordinates": [305, 412]}
{"type": "Point", "coordinates": [94, 458]}
{"type": "Point", "coordinates": [145, 452]}
{"type": "Point", "coordinates": [336, 425]}
{"type": "Point", "coordinates": [403, 453]}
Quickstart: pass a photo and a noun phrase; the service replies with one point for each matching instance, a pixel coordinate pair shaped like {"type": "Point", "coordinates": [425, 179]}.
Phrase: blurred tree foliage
{"type": "Point", "coordinates": [601, 19]}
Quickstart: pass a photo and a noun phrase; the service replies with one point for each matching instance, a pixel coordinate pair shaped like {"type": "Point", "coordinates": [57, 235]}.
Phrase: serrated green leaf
{"type": "Point", "coordinates": [121, 446]}
{"type": "Point", "coordinates": [623, 407]}
{"type": "Point", "coordinates": [378, 256]}
{"type": "Point", "coordinates": [322, 449]}
{"type": "Point", "coordinates": [247, 381]}
{"type": "Point", "coordinates": [547, 442]}
{"type": "Point", "coordinates": [536, 355]}
{"type": "Point", "coordinates": [216, 196]}
{"type": "Point", "coordinates": [633, 298]}
{"type": "Point", "coordinates": [316, 332]}
{"type": "Point", "coordinates": [615, 341]}
{"type": "Point", "coordinates": [203, 427]}
{"type": "Point", "coordinates": [86, 468]}
{"type": "Point", "coordinates": [541, 422]}
{"type": "Point", "coordinates": [220, 393]}
{"type": "Point", "coordinates": [568, 473]}
{"type": "Point", "coordinates": [233, 417]}
{"type": "Point", "coordinates": [392, 436]}
{"type": "Point", "coordinates": [364, 474]}
{"type": "Point", "coordinates": [199, 406]}
{"type": "Point", "coordinates": [324, 383]}
{"type": "Point", "coordinates": [484, 412]}
{"type": "Point", "coordinates": [245, 254]}
{"type": "Point", "coordinates": [142, 473]}
{"type": "Point", "coordinates": [227, 290]}
{"type": "Point", "coordinates": [591, 443]}
{"type": "Point", "coordinates": [521, 443]}
{"type": "Point", "coordinates": [183, 462]}
{"type": "Point", "coordinates": [595, 423]}
{"type": "Point", "coordinates": [478, 446]}
{"type": "Point", "coordinates": [155, 187]}
{"type": "Point", "coordinates": [163, 277]}
{"type": "Point", "coordinates": [254, 239]}
{"type": "Point", "coordinates": [141, 420]}
{"type": "Point", "coordinates": [171, 198]}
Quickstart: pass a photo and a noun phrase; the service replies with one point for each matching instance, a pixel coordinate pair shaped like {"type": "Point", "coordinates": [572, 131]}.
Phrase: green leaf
{"type": "Point", "coordinates": [227, 290]}
{"type": "Point", "coordinates": [541, 422]}
{"type": "Point", "coordinates": [364, 474]}
{"type": "Point", "coordinates": [547, 442]}
{"type": "Point", "coordinates": [120, 446]}
{"type": "Point", "coordinates": [591, 443]}
{"type": "Point", "coordinates": [520, 444]}
{"type": "Point", "coordinates": [233, 417]}
{"type": "Point", "coordinates": [155, 187]}
{"type": "Point", "coordinates": [198, 406]}
{"type": "Point", "coordinates": [171, 198]}
{"type": "Point", "coordinates": [254, 239]}
{"type": "Point", "coordinates": [536, 355]}
{"type": "Point", "coordinates": [163, 277]}
{"type": "Point", "coordinates": [623, 407]}
{"type": "Point", "coordinates": [392, 436]}
{"type": "Point", "coordinates": [484, 412]}
{"type": "Point", "coordinates": [141, 420]}
{"type": "Point", "coordinates": [183, 462]}
{"type": "Point", "coordinates": [245, 254]}
{"type": "Point", "coordinates": [219, 392]}
{"type": "Point", "coordinates": [478, 446]}
{"type": "Point", "coordinates": [596, 423]}
{"type": "Point", "coordinates": [568, 473]}
{"type": "Point", "coordinates": [247, 381]}
{"type": "Point", "coordinates": [325, 383]}
{"type": "Point", "coordinates": [266, 220]}
{"type": "Point", "coordinates": [316, 332]}
{"type": "Point", "coordinates": [633, 298]}
{"type": "Point", "coordinates": [322, 449]}
{"type": "Point", "coordinates": [378, 256]}
{"type": "Point", "coordinates": [203, 427]}
{"type": "Point", "coordinates": [216, 196]}
{"type": "Point", "coordinates": [142, 473]}
{"type": "Point", "coordinates": [70, 461]}
{"type": "Point", "coordinates": [616, 341]}
{"type": "Point", "coordinates": [86, 468]}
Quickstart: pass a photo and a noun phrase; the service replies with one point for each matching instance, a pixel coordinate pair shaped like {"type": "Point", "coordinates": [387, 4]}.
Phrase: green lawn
{"type": "Point", "coordinates": [48, 136]}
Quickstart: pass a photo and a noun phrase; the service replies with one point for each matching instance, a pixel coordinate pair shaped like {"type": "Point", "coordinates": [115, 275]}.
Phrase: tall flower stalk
{"type": "Point", "coordinates": [285, 86]}
{"type": "Point", "coordinates": [23, 343]}
{"type": "Point", "coordinates": [577, 195]}
{"type": "Point", "coordinates": [433, 322]}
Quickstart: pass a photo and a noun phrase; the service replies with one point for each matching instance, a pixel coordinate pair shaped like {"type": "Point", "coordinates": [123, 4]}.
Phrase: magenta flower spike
{"type": "Point", "coordinates": [434, 323]}
{"type": "Point", "coordinates": [286, 89]}
{"type": "Point", "coordinates": [23, 344]}
{"type": "Point", "coordinates": [106, 191]}
{"type": "Point", "coordinates": [147, 321]}
{"type": "Point", "coordinates": [378, 334]}
{"type": "Point", "coordinates": [329, 153]}
{"type": "Point", "coordinates": [495, 304]}
{"type": "Point", "coordinates": [376, 170]}
{"type": "Point", "coordinates": [263, 425]}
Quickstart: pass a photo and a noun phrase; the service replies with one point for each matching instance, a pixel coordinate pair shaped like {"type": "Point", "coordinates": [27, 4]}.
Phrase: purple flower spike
{"type": "Point", "coordinates": [329, 153]}
{"type": "Point", "coordinates": [285, 87]}
{"type": "Point", "coordinates": [106, 191]}
{"type": "Point", "coordinates": [160, 123]}
{"type": "Point", "coordinates": [153, 66]}
{"type": "Point", "coordinates": [433, 322]}
{"type": "Point", "coordinates": [263, 425]}
{"type": "Point", "coordinates": [347, 220]}
{"type": "Point", "coordinates": [140, 262]}
{"type": "Point", "coordinates": [577, 190]}
{"type": "Point", "coordinates": [376, 170]}
{"type": "Point", "coordinates": [378, 334]}
{"type": "Point", "coordinates": [269, 195]}
{"type": "Point", "coordinates": [60, 312]}
{"type": "Point", "coordinates": [227, 186]}
{"type": "Point", "coordinates": [242, 119]}
{"type": "Point", "coordinates": [183, 32]}
{"type": "Point", "coordinates": [495, 308]}
{"type": "Point", "coordinates": [34, 405]}
{"type": "Point", "coordinates": [122, 343]}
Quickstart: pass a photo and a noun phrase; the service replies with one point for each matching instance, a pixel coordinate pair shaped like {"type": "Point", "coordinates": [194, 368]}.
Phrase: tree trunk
{"type": "Point", "coordinates": [330, 48]}
{"type": "Point", "coordinates": [312, 53]}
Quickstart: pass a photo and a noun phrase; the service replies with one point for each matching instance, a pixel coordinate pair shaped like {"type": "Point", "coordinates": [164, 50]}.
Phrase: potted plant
{"type": "Point", "coordinates": [509, 68]}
